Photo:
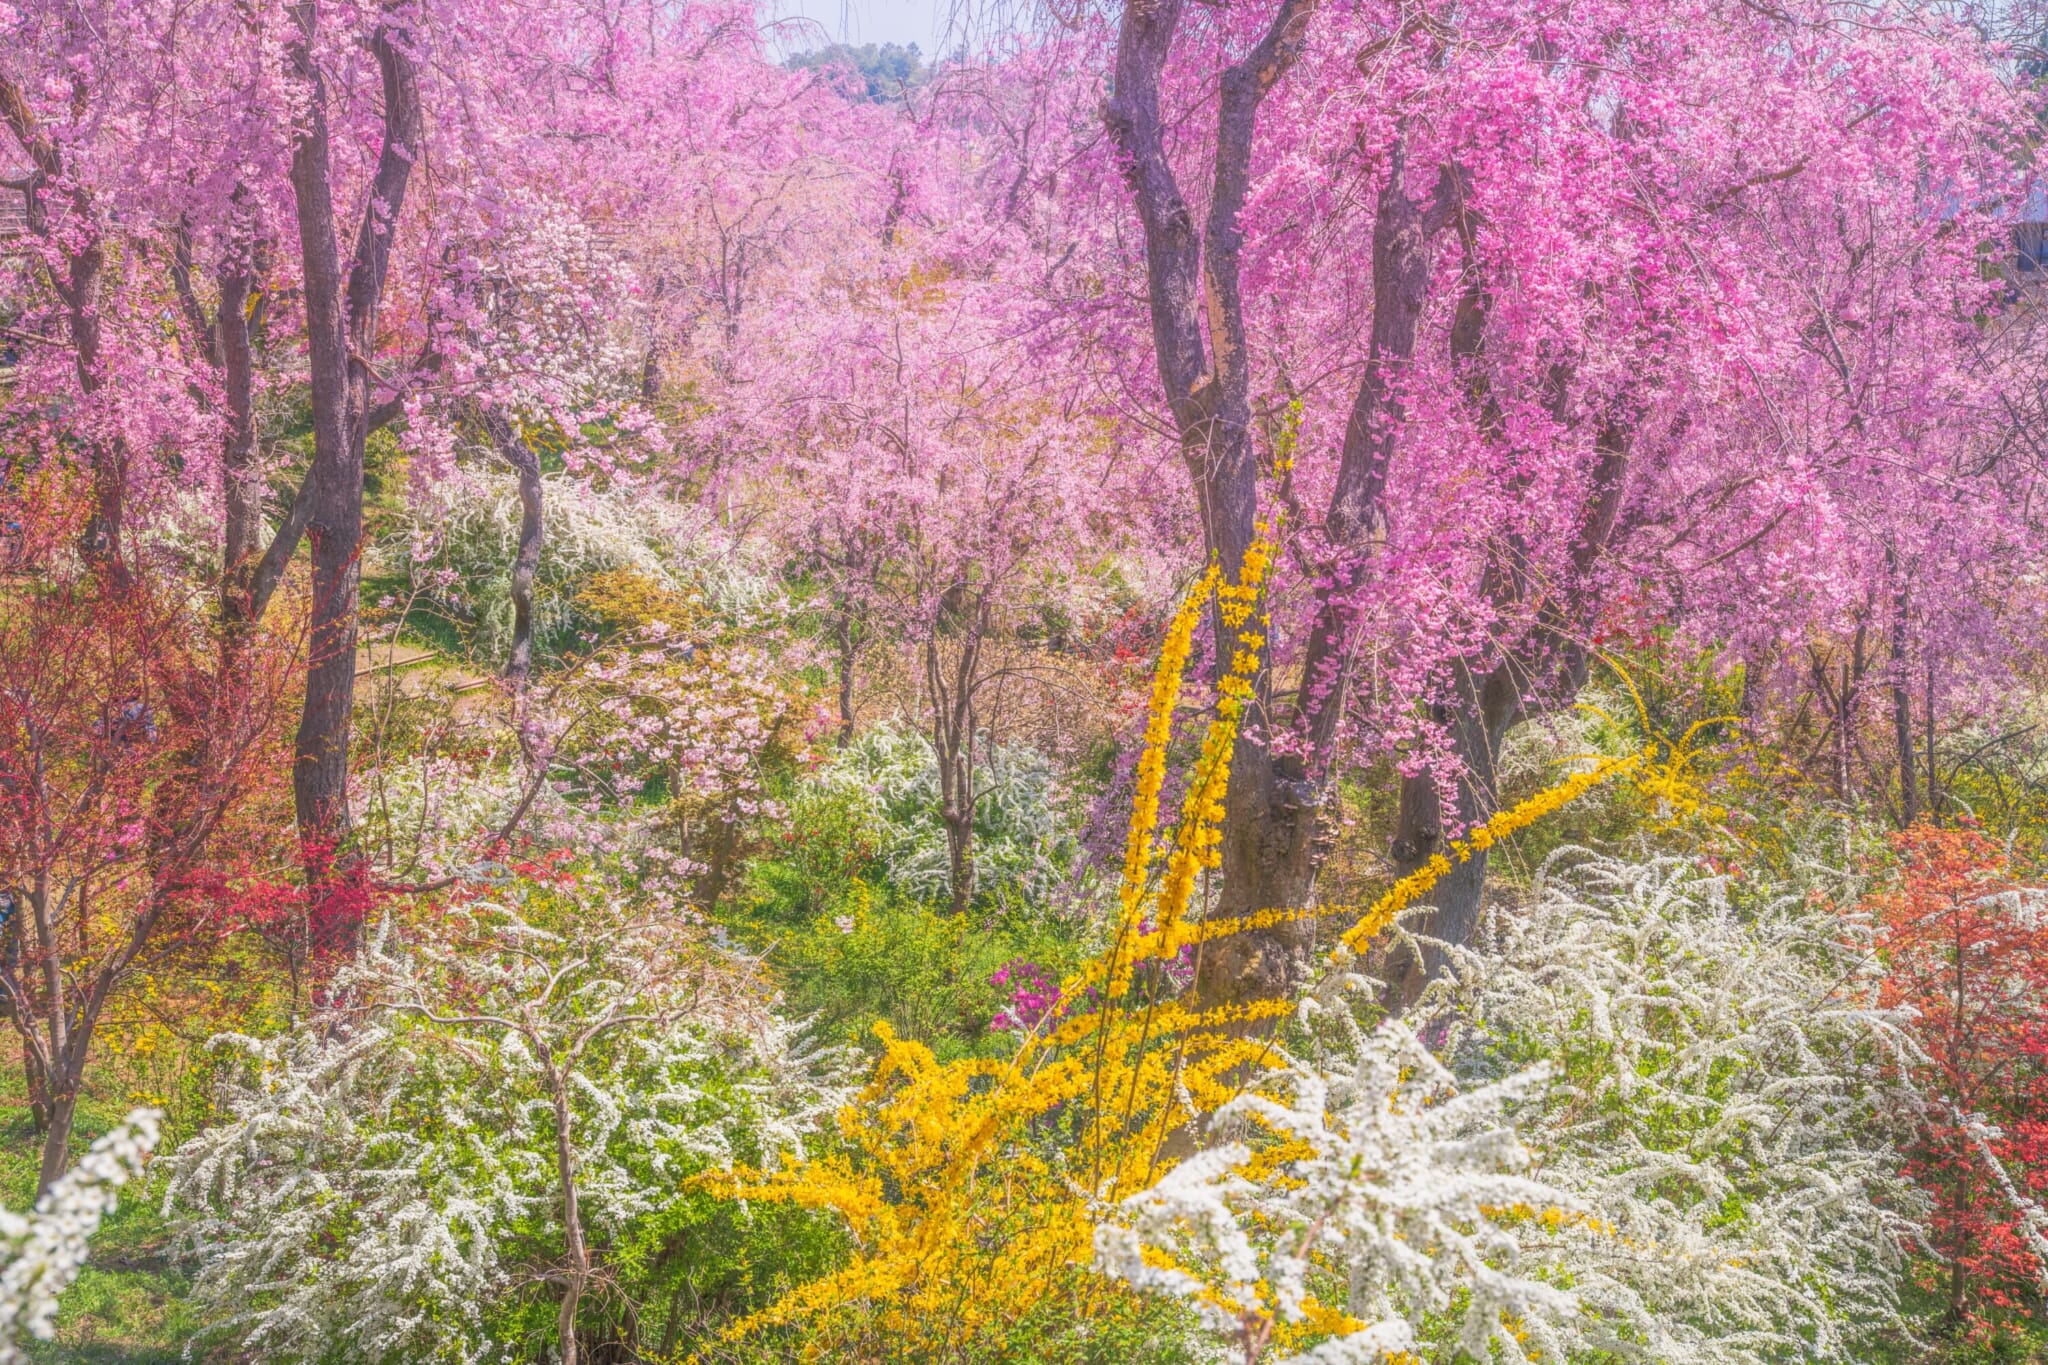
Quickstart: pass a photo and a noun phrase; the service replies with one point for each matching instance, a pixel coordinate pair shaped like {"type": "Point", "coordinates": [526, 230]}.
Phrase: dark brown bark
{"type": "Point", "coordinates": [224, 341]}
{"type": "Point", "coordinates": [1902, 699]}
{"type": "Point", "coordinates": [36, 1087]}
{"type": "Point", "coordinates": [651, 376]}
{"type": "Point", "coordinates": [341, 332]}
{"type": "Point", "coordinates": [77, 287]}
{"type": "Point", "coordinates": [1841, 687]}
{"type": "Point", "coordinates": [1403, 252]}
{"type": "Point", "coordinates": [1268, 854]}
{"type": "Point", "coordinates": [514, 450]}
{"type": "Point", "coordinates": [241, 488]}
{"type": "Point", "coordinates": [954, 724]}
{"type": "Point", "coordinates": [848, 639]}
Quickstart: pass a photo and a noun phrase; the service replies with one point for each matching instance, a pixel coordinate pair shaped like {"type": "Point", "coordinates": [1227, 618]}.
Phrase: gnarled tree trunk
{"type": "Point", "coordinates": [1193, 287]}
{"type": "Point", "coordinates": [341, 331]}
{"type": "Point", "coordinates": [514, 450]}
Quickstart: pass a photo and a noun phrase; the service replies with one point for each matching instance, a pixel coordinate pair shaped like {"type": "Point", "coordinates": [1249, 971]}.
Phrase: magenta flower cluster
{"type": "Point", "coordinates": [1033, 996]}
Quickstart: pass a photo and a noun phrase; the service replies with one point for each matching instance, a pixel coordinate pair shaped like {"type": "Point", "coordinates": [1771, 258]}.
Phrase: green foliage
{"type": "Point", "coordinates": [703, 1262]}
{"type": "Point", "coordinates": [826, 847]}
{"type": "Point", "coordinates": [847, 900]}
{"type": "Point", "coordinates": [130, 1302]}
{"type": "Point", "coordinates": [881, 955]}
{"type": "Point", "coordinates": [1024, 828]}
{"type": "Point", "coordinates": [887, 73]}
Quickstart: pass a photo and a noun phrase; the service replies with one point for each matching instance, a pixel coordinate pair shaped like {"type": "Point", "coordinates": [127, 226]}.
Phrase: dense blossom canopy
{"type": "Point", "coordinates": [816, 452]}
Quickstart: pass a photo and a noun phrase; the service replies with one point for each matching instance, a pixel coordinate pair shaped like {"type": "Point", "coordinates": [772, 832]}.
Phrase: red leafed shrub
{"type": "Point", "coordinates": [125, 743]}
{"type": "Point", "coordinates": [1967, 948]}
{"type": "Point", "coordinates": [311, 931]}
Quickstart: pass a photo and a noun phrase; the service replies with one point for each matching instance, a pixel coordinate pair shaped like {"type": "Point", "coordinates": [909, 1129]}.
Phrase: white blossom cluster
{"type": "Point", "coordinates": [1023, 841]}
{"type": "Point", "coordinates": [1705, 1097]}
{"type": "Point", "coordinates": [1405, 1205]}
{"type": "Point", "coordinates": [1727, 1095]}
{"type": "Point", "coordinates": [461, 545]}
{"type": "Point", "coordinates": [390, 1169]}
{"type": "Point", "coordinates": [42, 1251]}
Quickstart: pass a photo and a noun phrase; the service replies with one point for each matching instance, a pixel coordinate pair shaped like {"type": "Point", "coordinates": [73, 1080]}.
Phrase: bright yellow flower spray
{"type": "Point", "coordinates": [970, 1188]}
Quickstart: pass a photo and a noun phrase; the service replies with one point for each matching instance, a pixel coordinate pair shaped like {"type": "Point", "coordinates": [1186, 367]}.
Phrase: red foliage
{"type": "Point", "coordinates": [1967, 949]}
{"type": "Point", "coordinates": [124, 743]}
{"type": "Point", "coordinates": [310, 929]}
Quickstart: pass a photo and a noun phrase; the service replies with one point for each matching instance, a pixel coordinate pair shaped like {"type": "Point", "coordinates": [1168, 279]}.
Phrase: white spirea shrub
{"type": "Point", "coordinates": [1406, 1204]}
{"type": "Point", "coordinates": [474, 536]}
{"type": "Point", "coordinates": [41, 1252]}
{"type": "Point", "coordinates": [389, 1170]}
{"type": "Point", "coordinates": [1024, 840]}
{"type": "Point", "coordinates": [1726, 1095]}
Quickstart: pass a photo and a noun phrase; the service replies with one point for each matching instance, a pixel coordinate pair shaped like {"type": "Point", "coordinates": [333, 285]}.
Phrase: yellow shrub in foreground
{"type": "Point", "coordinates": [971, 1188]}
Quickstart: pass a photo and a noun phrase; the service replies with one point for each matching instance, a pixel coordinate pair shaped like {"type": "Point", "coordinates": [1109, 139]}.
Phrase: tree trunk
{"type": "Point", "coordinates": [63, 1104]}
{"type": "Point", "coordinates": [224, 341]}
{"type": "Point", "coordinates": [1477, 722]}
{"type": "Point", "coordinates": [577, 1274]}
{"type": "Point", "coordinates": [650, 376]}
{"type": "Point", "coordinates": [100, 542]}
{"type": "Point", "coordinates": [1269, 824]}
{"type": "Point", "coordinates": [953, 741]}
{"type": "Point", "coordinates": [849, 645]}
{"type": "Point", "coordinates": [1847, 693]}
{"type": "Point", "coordinates": [341, 330]}
{"type": "Point", "coordinates": [56, 1040]}
{"type": "Point", "coordinates": [241, 488]}
{"type": "Point", "coordinates": [35, 1084]}
{"type": "Point", "coordinates": [1273, 853]}
{"type": "Point", "coordinates": [1933, 778]}
{"type": "Point", "coordinates": [70, 1026]}
{"type": "Point", "coordinates": [512, 447]}
{"type": "Point", "coordinates": [1902, 726]}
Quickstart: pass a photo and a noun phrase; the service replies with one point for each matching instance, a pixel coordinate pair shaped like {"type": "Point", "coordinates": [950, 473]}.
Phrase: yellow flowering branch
{"type": "Point", "coordinates": [967, 1211]}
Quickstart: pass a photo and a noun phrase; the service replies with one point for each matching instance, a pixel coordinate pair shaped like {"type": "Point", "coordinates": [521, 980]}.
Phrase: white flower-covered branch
{"type": "Point", "coordinates": [1729, 1095]}
{"type": "Point", "coordinates": [1399, 1203]}
{"type": "Point", "coordinates": [487, 1104]}
{"type": "Point", "coordinates": [41, 1252]}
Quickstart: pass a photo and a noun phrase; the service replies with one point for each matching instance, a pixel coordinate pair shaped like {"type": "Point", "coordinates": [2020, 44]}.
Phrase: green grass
{"type": "Point", "coordinates": [129, 1303]}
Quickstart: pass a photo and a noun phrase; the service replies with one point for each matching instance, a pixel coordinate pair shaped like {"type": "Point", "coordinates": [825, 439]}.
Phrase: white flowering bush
{"type": "Point", "coordinates": [1375, 1197]}
{"type": "Point", "coordinates": [1705, 1097]}
{"type": "Point", "coordinates": [422, 816]}
{"type": "Point", "coordinates": [461, 547]}
{"type": "Point", "coordinates": [489, 1102]}
{"type": "Point", "coordinates": [1025, 843]}
{"type": "Point", "coordinates": [1727, 1095]}
{"type": "Point", "coordinates": [42, 1251]}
